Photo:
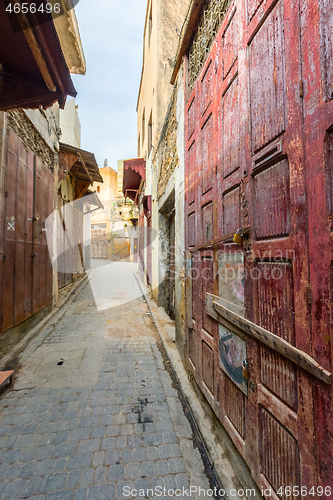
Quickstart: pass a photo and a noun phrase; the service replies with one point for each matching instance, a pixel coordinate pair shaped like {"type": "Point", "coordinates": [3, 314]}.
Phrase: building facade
{"type": "Point", "coordinates": [160, 201]}
{"type": "Point", "coordinates": [29, 168]}
{"type": "Point", "coordinates": [114, 227]}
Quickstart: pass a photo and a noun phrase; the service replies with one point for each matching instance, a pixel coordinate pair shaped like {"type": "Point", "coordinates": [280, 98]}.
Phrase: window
{"type": "Point", "coordinates": [139, 146]}
{"type": "Point", "coordinates": [98, 189]}
{"type": "Point", "coordinates": [150, 133]}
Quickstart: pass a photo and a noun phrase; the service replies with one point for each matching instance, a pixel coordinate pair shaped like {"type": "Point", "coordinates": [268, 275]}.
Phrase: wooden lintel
{"type": "Point", "coordinates": [36, 51]}
{"type": "Point", "coordinates": [85, 167]}
{"type": "Point", "coordinates": [82, 190]}
{"type": "Point", "coordinates": [211, 243]}
{"type": "Point", "coordinates": [268, 338]}
{"type": "Point", "coordinates": [186, 34]}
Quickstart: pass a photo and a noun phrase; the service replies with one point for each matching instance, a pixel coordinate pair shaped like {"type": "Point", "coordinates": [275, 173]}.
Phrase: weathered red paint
{"type": "Point", "coordinates": [27, 193]}
{"type": "Point", "coordinates": [259, 153]}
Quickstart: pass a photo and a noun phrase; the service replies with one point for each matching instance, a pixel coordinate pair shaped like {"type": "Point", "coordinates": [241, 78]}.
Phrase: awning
{"type": "Point", "coordinates": [134, 175]}
{"type": "Point", "coordinates": [84, 166]}
{"type": "Point", "coordinates": [81, 164]}
{"type": "Point", "coordinates": [33, 71]}
{"type": "Point", "coordinates": [91, 200]}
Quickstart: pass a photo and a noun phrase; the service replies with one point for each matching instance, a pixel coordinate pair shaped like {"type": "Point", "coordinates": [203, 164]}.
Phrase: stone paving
{"type": "Point", "coordinates": [93, 413]}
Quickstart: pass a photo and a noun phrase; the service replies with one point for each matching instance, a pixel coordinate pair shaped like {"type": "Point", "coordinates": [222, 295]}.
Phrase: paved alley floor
{"type": "Point", "coordinates": [94, 413]}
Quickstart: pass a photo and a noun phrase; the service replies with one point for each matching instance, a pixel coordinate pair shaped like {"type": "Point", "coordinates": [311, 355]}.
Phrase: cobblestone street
{"type": "Point", "coordinates": [93, 407]}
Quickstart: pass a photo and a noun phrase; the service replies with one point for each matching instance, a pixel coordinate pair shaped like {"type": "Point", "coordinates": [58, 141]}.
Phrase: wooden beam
{"type": "Point", "coordinates": [188, 29]}
{"type": "Point", "coordinates": [268, 338]}
{"type": "Point", "coordinates": [211, 243]}
{"type": "Point", "coordinates": [36, 51]}
{"type": "Point", "coordinates": [79, 191]}
{"type": "Point", "coordinates": [85, 168]}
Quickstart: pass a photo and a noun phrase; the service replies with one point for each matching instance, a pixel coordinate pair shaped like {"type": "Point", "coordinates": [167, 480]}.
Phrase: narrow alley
{"type": "Point", "coordinates": [93, 409]}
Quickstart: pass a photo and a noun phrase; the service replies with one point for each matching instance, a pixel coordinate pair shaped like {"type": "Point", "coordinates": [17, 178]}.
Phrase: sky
{"type": "Point", "coordinates": [112, 34]}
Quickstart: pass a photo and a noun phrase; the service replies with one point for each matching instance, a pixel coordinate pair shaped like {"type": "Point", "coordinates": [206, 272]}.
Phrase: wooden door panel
{"type": "Point", "coordinates": [192, 174]}
{"type": "Point", "coordinates": [208, 366]}
{"type": "Point", "coordinates": [327, 37]}
{"type": "Point", "coordinates": [235, 406]}
{"type": "Point", "coordinates": [206, 88]}
{"type": "Point", "coordinates": [231, 210]}
{"type": "Point", "coordinates": [206, 145]}
{"type": "Point", "coordinates": [272, 201]}
{"type": "Point", "coordinates": [230, 134]}
{"type": "Point", "coordinates": [20, 274]}
{"type": "Point", "coordinates": [207, 282]}
{"type": "Point", "coordinates": [207, 222]}
{"type": "Point", "coordinates": [191, 230]}
{"type": "Point", "coordinates": [10, 221]}
{"type": "Point", "coordinates": [279, 454]}
{"type": "Point", "coordinates": [230, 45]}
{"type": "Point", "coordinates": [191, 115]}
{"type": "Point", "coordinates": [267, 80]}
{"type": "Point", "coordinates": [252, 7]}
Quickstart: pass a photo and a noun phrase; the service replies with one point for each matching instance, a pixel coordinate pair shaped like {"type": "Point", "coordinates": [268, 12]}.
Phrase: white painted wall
{"type": "Point", "coordinates": [70, 124]}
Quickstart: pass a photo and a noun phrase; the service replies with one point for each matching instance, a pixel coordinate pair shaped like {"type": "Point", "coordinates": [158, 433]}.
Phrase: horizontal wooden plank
{"type": "Point", "coordinates": [211, 243]}
{"type": "Point", "coordinates": [276, 343]}
{"type": "Point", "coordinates": [285, 415]}
{"type": "Point", "coordinates": [5, 376]}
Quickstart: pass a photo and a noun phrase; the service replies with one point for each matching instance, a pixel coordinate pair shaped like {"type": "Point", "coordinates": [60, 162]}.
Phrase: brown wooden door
{"type": "Point", "coordinates": [245, 166]}
{"type": "Point", "coordinates": [26, 278]}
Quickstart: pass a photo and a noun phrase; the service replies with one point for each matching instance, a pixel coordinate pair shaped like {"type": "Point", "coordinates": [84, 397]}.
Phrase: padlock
{"type": "Point", "coordinates": [238, 237]}
{"type": "Point", "coordinates": [245, 369]}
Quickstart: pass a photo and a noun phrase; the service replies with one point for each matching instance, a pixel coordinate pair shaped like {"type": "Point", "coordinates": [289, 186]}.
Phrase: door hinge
{"type": "Point", "coordinates": [301, 89]}
{"type": "Point", "coordinates": [308, 295]}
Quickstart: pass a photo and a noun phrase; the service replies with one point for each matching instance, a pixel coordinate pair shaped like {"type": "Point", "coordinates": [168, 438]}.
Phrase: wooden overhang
{"type": "Point", "coordinates": [134, 175]}
{"type": "Point", "coordinates": [33, 71]}
{"type": "Point", "coordinates": [82, 166]}
{"type": "Point", "coordinates": [188, 29]}
{"type": "Point", "coordinates": [90, 199]}
{"type": "Point", "coordinates": [94, 199]}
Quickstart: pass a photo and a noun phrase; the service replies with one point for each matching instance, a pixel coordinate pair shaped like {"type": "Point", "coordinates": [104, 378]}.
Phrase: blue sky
{"type": "Point", "coordinates": [111, 33]}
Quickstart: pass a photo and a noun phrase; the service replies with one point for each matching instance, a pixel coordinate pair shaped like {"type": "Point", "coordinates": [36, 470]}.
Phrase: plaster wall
{"type": "Point", "coordinates": [172, 200]}
{"type": "Point", "coordinates": [70, 124]}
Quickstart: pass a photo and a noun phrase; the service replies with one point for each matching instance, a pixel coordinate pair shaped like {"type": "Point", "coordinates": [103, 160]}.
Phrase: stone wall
{"type": "Point", "coordinates": [167, 146]}
{"type": "Point", "coordinates": [31, 137]}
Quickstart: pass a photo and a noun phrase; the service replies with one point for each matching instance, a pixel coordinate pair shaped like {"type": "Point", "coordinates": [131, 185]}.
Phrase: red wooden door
{"type": "Point", "coordinates": [317, 61]}
{"type": "Point", "coordinates": [245, 167]}
{"type": "Point", "coordinates": [26, 277]}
